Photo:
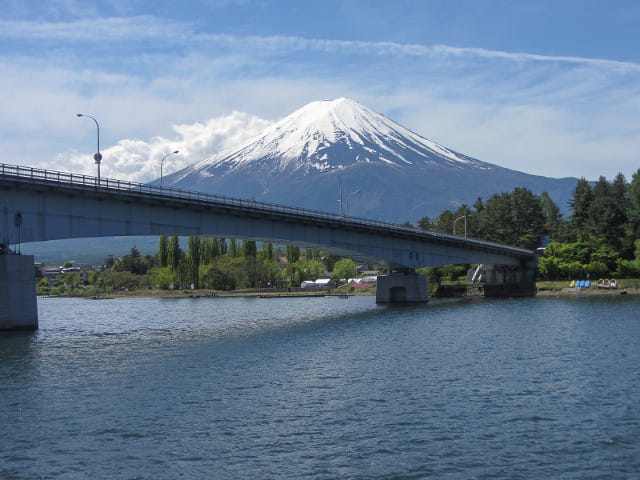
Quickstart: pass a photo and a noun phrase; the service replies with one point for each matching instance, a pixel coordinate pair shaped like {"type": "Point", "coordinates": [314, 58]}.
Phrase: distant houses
{"type": "Point", "coordinates": [54, 273]}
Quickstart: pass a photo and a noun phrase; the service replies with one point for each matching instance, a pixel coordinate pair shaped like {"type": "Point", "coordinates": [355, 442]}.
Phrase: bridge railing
{"type": "Point", "coordinates": [112, 185]}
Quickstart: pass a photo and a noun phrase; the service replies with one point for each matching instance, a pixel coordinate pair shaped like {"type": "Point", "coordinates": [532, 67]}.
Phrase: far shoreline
{"type": "Point", "coordinates": [543, 289]}
{"type": "Point", "coordinates": [595, 292]}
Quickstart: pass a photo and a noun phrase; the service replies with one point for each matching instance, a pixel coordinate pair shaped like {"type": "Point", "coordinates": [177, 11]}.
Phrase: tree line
{"type": "Point", "coordinates": [600, 237]}
{"type": "Point", "coordinates": [229, 264]}
{"type": "Point", "coordinates": [208, 263]}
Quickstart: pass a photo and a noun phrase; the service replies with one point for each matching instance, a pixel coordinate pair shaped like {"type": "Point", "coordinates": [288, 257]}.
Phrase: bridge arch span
{"type": "Point", "coordinates": [40, 205]}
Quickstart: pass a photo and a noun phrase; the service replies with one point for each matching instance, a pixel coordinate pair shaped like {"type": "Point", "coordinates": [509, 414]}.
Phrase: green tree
{"type": "Point", "coordinates": [134, 262]}
{"type": "Point", "coordinates": [43, 287]}
{"type": "Point", "coordinates": [271, 275]}
{"type": "Point", "coordinates": [329, 261]}
{"type": "Point", "coordinates": [93, 277]}
{"type": "Point", "coordinates": [72, 279]}
{"type": "Point", "coordinates": [163, 251]}
{"type": "Point", "coordinates": [222, 246]}
{"type": "Point", "coordinates": [581, 204]}
{"type": "Point", "coordinates": [210, 250]}
{"type": "Point", "coordinates": [528, 218]}
{"type": "Point", "coordinates": [634, 204]}
{"type": "Point", "coordinates": [549, 268]}
{"type": "Point", "coordinates": [606, 217]}
{"type": "Point", "coordinates": [233, 250]}
{"type": "Point", "coordinates": [266, 252]}
{"type": "Point", "coordinates": [344, 268]}
{"type": "Point", "coordinates": [444, 222]}
{"type": "Point", "coordinates": [162, 277]}
{"type": "Point", "coordinates": [221, 275]}
{"type": "Point", "coordinates": [309, 269]}
{"type": "Point", "coordinates": [124, 280]}
{"type": "Point", "coordinates": [174, 254]}
{"type": "Point", "coordinates": [193, 261]}
{"type": "Point", "coordinates": [251, 265]}
{"type": "Point", "coordinates": [424, 223]}
{"type": "Point", "coordinates": [496, 220]}
{"type": "Point", "coordinates": [293, 254]}
{"type": "Point", "coordinates": [249, 249]}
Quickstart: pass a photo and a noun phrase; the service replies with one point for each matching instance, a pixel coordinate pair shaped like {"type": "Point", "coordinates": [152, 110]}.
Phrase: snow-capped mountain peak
{"type": "Point", "coordinates": [339, 153]}
{"type": "Point", "coordinates": [331, 135]}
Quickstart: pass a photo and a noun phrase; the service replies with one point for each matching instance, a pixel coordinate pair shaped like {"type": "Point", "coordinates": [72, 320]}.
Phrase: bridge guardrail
{"type": "Point", "coordinates": [112, 185]}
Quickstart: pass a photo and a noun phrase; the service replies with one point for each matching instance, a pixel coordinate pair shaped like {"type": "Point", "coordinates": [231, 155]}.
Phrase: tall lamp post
{"type": "Point", "coordinates": [162, 161]}
{"type": "Point", "coordinates": [346, 209]}
{"type": "Point", "coordinates": [464, 216]}
{"type": "Point", "coordinates": [340, 193]}
{"type": "Point", "coordinates": [98, 156]}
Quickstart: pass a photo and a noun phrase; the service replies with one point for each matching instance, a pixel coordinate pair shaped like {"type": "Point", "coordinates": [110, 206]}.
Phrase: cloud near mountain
{"type": "Point", "coordinates": [139, 161]}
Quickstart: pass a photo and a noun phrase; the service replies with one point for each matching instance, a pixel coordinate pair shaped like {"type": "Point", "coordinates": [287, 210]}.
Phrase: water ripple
{"type": "Point", "coordinates": [309, 388]}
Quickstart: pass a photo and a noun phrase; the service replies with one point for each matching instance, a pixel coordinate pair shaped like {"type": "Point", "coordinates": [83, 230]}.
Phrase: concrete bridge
{"type": "Point", "coordinates": [39, 205]}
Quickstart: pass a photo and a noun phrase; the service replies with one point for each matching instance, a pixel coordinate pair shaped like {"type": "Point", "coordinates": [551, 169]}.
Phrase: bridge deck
{"type": "Point", "coordinates": [36, 178]}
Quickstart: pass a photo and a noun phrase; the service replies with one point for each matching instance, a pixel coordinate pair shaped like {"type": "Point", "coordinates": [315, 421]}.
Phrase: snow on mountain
{"type": "Point", "coordinates": [307, 140]}
{"type": "Point", "coordinates": [333, 146]}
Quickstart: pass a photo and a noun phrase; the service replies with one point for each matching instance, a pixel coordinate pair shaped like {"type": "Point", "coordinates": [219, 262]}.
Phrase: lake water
{"type": "Point", "coordinates": [323, 388]}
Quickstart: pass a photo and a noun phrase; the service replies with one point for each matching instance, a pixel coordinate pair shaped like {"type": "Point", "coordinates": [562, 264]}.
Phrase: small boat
{"type": "Point", "coordinates": [606, 283]}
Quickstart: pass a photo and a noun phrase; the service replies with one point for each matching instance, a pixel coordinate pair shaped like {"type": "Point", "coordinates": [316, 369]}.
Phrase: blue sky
{"type": "Point", "coordinates": [546, 87]}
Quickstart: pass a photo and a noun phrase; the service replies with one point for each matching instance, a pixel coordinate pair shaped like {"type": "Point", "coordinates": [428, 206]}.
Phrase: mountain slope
{"type": "Point", "coordinates": [383, 170]}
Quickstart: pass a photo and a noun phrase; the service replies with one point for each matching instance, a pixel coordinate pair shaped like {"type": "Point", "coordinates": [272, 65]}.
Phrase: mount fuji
{"type": "Point", "coordinates": [336, 154]}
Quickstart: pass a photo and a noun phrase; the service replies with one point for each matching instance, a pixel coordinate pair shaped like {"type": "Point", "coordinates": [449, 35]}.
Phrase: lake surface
{"type": "Point", "coordinates": [323, 388]}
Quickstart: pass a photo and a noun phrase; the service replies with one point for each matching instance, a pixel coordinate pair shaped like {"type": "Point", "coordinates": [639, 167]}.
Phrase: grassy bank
{"type": "Point", "coordinates": [546, 288]}
{"type": "Point", "coordinates": [630, 285]}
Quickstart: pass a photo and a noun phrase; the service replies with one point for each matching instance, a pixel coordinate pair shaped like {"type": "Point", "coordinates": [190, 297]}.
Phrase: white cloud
{"type": "Point", "coordinates": [150, 78]}
{"type": "Point", "coordinates": [140, 161]}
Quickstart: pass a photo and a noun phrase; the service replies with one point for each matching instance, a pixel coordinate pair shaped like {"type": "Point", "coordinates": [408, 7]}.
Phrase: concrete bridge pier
{"type": "Point", "coordinates": [18, 302]}
{"type": "Point", "coordinates": [509, 280]}
{"type": "Point", "coordinates": [402, 287]}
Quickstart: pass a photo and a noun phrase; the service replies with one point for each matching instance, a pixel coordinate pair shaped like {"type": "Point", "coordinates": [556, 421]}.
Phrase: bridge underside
{"type": "Point", "coordinates": [34, 212]}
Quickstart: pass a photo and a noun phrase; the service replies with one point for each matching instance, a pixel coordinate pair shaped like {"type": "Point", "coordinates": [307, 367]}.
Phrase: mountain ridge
{"type": "Point", "coordinates": [387, 171]}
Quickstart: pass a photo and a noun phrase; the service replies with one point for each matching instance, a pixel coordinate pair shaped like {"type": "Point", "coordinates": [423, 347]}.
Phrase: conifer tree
{"type": "Point", "coordinates": [580, 204]}
{"type": "Point", "coordinates": [163, 251]}
{"type": "Point", "coordinates": [233, 248]}
{"type": "Point", "coordinates": [174, 253]}
{"type": "Point", "coordinates": [194, 257]}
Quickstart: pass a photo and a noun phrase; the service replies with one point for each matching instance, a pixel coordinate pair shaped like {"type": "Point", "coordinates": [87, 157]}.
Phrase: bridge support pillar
{"type": "Point", "coordinates": [402, 287]}
{"type": "Point", "coordinates": [18, 302]}
{"type": "Point", "coordinates": [509, 281]}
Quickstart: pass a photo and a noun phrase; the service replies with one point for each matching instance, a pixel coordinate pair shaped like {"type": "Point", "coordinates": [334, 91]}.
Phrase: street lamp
{"type": "Point", "coordinates": [161, 162]}
{"type": "Point", "coordinates": [340, 194]}
{"type": "Point", "coordinates": [347, 202]}
{"type": "Point", "coordinates": [98, 156]}
{"type": "Point", "coordinates": [454, 226]}
{"type": "Point", "coordinates": [464, 216]}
